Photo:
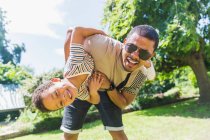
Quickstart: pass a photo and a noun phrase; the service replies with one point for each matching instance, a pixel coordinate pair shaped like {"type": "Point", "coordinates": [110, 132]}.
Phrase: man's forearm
{"type": "Point", "coordinates": [118, 99]}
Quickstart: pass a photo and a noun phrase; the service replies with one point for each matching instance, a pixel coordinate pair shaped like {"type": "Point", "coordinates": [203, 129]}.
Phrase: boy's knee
{"type": "Point", "coordinates": [67, 136]}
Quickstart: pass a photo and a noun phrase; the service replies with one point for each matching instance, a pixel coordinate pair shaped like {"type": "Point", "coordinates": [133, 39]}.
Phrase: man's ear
{"type": "Point", "coordinates": [153, 54]}
{"type": "Point", "coordinates": [124, 41]}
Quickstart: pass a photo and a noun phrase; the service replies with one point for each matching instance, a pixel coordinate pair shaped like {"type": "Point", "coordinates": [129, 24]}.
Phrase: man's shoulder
{"type": "Point", "coordinates": [102, 44]}
{"type": "Point", "coordinates": [98, 38]}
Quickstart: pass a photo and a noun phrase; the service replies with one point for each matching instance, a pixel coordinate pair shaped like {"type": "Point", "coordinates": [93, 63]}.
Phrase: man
{"type": "Point", "coordinates": [126, 65]}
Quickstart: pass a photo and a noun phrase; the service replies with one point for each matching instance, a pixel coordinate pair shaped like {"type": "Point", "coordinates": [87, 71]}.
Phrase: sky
{"type": "Point", "coordinates": [41, 25]}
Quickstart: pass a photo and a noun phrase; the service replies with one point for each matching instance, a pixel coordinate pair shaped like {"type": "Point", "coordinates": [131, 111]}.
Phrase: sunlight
{"type": "Point", "coordinates": [32, 17]}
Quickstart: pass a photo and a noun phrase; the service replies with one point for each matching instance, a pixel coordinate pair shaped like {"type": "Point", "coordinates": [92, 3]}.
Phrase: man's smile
{"type": "Point", "coordinates": [131, 63]}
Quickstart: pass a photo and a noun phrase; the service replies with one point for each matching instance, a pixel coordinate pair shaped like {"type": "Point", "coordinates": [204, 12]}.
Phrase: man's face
{"type": "Point", "coordinates": [131, 61]}
{"type": "Point", "coordinates": [61, 94]}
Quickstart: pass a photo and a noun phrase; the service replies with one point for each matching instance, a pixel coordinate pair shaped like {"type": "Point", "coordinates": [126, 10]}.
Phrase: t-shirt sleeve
{"type": "Point", "coordinates": [78, 63]}
{"type": "Point", "coordinates": [136, 84]}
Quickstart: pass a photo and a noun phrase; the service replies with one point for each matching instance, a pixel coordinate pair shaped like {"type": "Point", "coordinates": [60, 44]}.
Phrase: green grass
{"type": "Point", "coordinates": [182, 121]}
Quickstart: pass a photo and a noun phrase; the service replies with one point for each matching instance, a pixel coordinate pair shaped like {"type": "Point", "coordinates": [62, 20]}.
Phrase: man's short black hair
{"type": "Point", "coordinates": [146, 31]}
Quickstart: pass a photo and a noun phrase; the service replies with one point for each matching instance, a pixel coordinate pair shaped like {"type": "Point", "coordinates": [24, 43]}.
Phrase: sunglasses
{"type": "Point", "coordinates": [143, 54]}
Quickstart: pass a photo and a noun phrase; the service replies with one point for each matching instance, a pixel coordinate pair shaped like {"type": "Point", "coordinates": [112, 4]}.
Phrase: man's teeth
{"type": "Point", "coordinates": [132, 61]}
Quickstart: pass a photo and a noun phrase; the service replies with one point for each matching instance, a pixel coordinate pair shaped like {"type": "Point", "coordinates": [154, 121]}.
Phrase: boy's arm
{"type": "Point", "coordinates": [94, 97]}
{"type": "Point", "coordinates": [94, 84]}
{"type": "Point", "coordinates": [81, 33]}
{"type": "Point", "coordinates": [67, 44]}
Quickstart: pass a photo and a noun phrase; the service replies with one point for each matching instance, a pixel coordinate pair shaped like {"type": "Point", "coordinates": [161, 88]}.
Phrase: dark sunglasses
{"type": "Point", "coordinates": [143, 54]}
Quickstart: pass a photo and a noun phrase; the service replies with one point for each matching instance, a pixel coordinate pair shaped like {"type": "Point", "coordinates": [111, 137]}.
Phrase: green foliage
{"type": "Point", "coordinates": [181, 77]}
{"type": "Point", "coordinates": [32, 84]}
{"type": "Point", "coordinates": [184, 30]}
{"type": "Point", "coordinates": [162, 83]}
{"type": "Point", "coordinates": [8, 52]}
{"type": "Point", "coordinates": [184, 26]}
{"type": "Point", "coordinates": [122, 13]}
{"type": "Point", "coordinates": [167, 88]}
{"type": "Point", "coordinates": [12, 74]}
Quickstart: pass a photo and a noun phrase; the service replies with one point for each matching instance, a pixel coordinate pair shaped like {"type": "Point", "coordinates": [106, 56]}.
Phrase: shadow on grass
{"type": "Point", "coordinates": [48, 124]}
{"type": "Point", "coordinates": [92, 124]}
{"type": "Point", "coordinates": [190, 108]}
{"type": "Point", "coordinates": [51, 124]}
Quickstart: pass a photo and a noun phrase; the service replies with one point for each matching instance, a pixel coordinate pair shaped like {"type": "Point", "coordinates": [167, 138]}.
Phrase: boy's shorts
{"type": "Point", "coordinates": [74, 115]}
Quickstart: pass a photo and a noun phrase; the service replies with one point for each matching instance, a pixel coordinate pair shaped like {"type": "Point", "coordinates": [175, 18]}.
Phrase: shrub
{"type": "Point", "coordinates": [13, 74]}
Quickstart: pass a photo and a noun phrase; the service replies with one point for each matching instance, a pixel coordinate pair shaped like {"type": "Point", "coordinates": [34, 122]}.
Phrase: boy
{"type": "Point", "coordinates": [57, 93]}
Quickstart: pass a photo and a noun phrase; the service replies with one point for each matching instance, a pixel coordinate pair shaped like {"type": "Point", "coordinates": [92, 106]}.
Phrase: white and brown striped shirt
{"type": "Point", "coordinates": [78, 63]}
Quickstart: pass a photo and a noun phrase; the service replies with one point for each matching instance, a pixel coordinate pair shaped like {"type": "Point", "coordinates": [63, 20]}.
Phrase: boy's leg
{"type": "Point", "coordinates": [111, 116]}
{"type": "Point", "coordinates": [73, 119]}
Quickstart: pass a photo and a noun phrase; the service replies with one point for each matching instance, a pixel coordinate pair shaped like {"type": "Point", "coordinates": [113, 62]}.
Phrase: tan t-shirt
{"type": "Point", "coordinates": [106, 53]}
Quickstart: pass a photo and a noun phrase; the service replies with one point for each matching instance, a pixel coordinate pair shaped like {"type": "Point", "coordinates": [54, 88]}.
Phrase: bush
{"type": "Point", "coordinates": [151, 100]}
{"type": "Point", "coordinates": [167, 87]}
{"type": "Point", "coordinates": [13, 74]}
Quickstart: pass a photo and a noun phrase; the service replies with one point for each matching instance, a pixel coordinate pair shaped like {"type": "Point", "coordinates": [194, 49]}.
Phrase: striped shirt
{"type": "Point", "coordinates": [78, 63]}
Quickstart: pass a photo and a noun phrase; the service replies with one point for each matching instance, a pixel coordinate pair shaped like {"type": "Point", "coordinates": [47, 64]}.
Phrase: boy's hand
{"type": "Point", "coordinates": [95, 82]}
{"type": "Point", "coordinates": [106, 82]}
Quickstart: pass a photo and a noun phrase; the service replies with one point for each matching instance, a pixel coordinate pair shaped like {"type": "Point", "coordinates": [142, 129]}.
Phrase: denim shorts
{"type": "Point", "coordinates": [74, 115]}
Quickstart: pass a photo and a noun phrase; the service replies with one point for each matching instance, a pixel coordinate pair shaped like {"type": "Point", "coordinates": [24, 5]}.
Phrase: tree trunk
{"type": "Point", "coordinates": [196, 62]}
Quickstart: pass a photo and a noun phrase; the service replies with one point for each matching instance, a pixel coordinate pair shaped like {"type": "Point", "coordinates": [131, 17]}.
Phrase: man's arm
{"type": "Point", "coordinates": [121, 99]}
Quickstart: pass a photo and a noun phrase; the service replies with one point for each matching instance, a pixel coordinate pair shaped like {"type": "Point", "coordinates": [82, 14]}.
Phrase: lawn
{"type": "Point", "coordinates": [181, 121]}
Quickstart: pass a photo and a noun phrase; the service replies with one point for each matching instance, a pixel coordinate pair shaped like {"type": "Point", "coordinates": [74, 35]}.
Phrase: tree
{"type": "Point", "coordinates": [184, 29]}
{"type": "Point", "coordinates": [8, 52]}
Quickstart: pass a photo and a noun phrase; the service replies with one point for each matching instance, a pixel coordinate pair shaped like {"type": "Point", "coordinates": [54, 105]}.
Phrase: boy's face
{"type": "Point", "coordinates": [61, 94]}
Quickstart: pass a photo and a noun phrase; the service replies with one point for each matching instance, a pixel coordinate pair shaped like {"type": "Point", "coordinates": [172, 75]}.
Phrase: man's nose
{"type": "Point", "coordinates": [135, 54]}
